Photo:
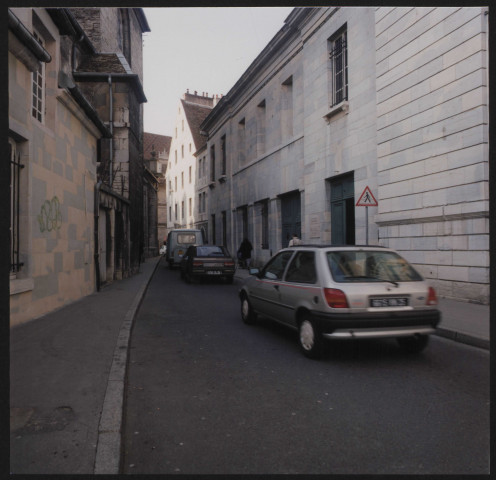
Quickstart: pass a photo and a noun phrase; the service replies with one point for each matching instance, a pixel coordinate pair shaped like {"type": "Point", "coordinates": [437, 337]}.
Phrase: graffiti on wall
{"type": "Point", "coordinates": [50, 217]}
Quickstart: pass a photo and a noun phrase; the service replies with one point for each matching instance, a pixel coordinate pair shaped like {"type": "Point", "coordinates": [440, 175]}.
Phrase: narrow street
{"type": "Point", "coordinates": [207, 394]}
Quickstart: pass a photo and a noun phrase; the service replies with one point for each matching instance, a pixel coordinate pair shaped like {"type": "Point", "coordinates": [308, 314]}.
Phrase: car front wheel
{"type": "Point", "coordinates": [247, 314]}
{"type": "Point", "coordinates": [413, 344]}
{"type": "Point", "coordinates": [311, 342]}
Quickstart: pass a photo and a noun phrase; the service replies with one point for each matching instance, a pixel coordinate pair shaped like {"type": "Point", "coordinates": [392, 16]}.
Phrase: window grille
{"type": "Point", "coordinates": [15, 195]}
{"type": "Point", "coordinates": [339, 64]}
{"type": "Point", "coordinates": [38, 99]}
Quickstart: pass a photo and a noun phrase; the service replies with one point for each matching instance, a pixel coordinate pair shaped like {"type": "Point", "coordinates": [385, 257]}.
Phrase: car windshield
{"type": "Point", "coordinates": [370, 266]}
{"type": "Point", "coordinates": [186, 238]}
{"type": "Point", "coordinates": [210, 251]}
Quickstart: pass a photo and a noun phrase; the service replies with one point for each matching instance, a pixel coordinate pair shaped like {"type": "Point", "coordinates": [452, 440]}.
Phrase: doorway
{"type": "Point", "coordinates": [290, 217]}
{"type": "Point", "coordinates": [343, 210]}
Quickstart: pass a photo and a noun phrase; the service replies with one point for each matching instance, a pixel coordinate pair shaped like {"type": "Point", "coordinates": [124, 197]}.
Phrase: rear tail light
{"type": "Point", "coordinates": [335, 298]}
{"type": "Point", "coordinates": [229, 264]}
{"type": "Point", "coordinates": [432, 297]}
{"type": "Point", "coordinates": [197, 264]}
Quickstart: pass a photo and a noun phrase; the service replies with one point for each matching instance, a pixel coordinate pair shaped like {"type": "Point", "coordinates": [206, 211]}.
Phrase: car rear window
{"type": "Point", "coordinates": [370, 266]}
{"type": "Point", "coordinates": [186, 238]}
{"type": "Point", "coordinates": [210, 251]}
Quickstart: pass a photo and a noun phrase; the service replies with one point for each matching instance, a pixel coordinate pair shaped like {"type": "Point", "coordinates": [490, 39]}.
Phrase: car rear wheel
{"type": "Point", "coordinates": [413, 344]}
{"type": "Point", "coordinates": [310, 339]}
{"type": "Point", "coordinates": [247, 314]}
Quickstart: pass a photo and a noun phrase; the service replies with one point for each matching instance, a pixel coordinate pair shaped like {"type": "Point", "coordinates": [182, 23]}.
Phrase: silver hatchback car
{"type": "Point", "coordinates": [342, 292]}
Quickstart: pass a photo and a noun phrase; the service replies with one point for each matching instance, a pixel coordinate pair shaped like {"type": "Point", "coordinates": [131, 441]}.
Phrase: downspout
{"type": "Point", "coordinates": [97, 243]}
{"type": "Point", "coordinates": [111, 125]}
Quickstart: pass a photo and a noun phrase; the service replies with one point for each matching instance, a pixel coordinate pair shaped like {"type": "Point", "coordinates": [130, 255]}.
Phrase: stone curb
{"type": "Point", "coordinates": [463, 338]}
{"type": "Point", "coordinates": [108, 451]}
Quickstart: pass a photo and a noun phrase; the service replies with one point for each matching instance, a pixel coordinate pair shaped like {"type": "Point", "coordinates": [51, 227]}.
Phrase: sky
{"type": "Point", "coordinates": [203, 49]}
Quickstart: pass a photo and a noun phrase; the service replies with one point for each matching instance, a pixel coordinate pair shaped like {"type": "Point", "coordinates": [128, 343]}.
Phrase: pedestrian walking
{"type": "Point", "coordinates": [244, 252]}
{"type": "Point", "coordinates": [294, 241]}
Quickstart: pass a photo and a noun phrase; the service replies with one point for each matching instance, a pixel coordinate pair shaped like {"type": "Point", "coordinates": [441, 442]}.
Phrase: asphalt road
{"type": "Point", "coordinates": [207, 394]}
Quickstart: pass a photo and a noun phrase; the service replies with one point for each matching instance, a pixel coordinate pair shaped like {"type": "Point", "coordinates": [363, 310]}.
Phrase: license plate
{"type": "Point", "coordinates": [213, 272]}
{"type": "Point", "coordinates": [214, 265]}
{"type": "Point", "coordinates": [389, 302]}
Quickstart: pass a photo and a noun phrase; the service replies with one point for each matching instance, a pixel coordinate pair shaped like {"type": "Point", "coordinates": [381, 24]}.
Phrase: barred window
{"type": "Point", "coordinates": [338, 56]}
{"type": "Point", "coordinates": [38, 99]}
{"type": "Point", "coordinates": [15, 196]}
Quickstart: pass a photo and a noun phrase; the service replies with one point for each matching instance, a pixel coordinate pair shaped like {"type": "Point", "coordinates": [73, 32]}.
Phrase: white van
{"type": "Point", "coordinates": [178, 242]}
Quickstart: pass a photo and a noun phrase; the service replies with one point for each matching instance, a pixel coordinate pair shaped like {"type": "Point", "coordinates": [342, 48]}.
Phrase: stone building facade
{"type": "Point", "coordinates": [56, 132]}
{"type": "Point", "coordinates": [156, 154]}
{"type": "Point", "coordinates": [181, 170]}
{"type": "Point", "coordinates": [393, 99]}
{"type": "Point", "coordinates": [112, 78]}
{"type": "Point", "coordinates": [432, 143]}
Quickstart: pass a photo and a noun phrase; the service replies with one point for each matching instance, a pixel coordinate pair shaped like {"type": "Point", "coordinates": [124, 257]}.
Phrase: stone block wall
{"type": "Point", "coordinates": [432, 143]}
{"type": "Point", "coordinates": [57, 201]}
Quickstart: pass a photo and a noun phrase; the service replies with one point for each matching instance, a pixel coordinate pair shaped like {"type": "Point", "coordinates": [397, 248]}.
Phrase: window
{"type": "Point", "coordinates": [242, 141]}
{"type": "Point", "coordinates": [199, 168]}
{"type": "Point", "coordinates": [175, 184]}
{"type": "Point", "coordinates": [182, 151]}
{"type": "Point", "coordinates": [182, 210]}
{"type": "Point", "coordinates": [204, 202]}
{"type": "Point", "coordinates": [212, 163]}
{"type": "Point", "coordinates": [287, 109]}
{"type": "Point", "coordinates": [182, 179]}
{"type": "Point", "coordinates": [275, 268]}
{"type": "Point", "coordinates": [175, 211]}
{"type": "Point", "coordinates": [38, 100]}
{"type": "Point", "coordinates": [264, 211]}
{"type": "Point", "coordinates": [199, 203]}
{"type": "Point", "coordinates": [302, 268]}
{"type": "Point", "coordinates": [223, 154]}
{"type": "Point", "coordinates": [175, 156]}
{"type": "Point", "coordinates": [261, 119]}
{"type": "Point", "coordinates": [190, 174]}
{"type": "Point", "coordinates": [15, 196]}
{"type": "Point", "coordinates": [190, 207]}
{"type": "Point", "coordinates": [338, 57]}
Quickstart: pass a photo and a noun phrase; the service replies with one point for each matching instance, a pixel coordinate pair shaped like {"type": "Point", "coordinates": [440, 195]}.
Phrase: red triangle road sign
{"type": "Point", "coordinates": [367, 199]}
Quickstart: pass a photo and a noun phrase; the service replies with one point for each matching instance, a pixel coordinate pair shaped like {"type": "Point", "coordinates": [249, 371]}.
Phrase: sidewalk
{"type": "Point", "coordinates": [68, 368]}
{"type": "Point", "coordinates": [67, 373]}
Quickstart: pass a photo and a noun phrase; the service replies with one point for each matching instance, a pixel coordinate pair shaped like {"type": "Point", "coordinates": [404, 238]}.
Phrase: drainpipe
{"type": "Point", "coordinates": [111, 125]}
{"type": "Point", "coordinates": [97, 243]}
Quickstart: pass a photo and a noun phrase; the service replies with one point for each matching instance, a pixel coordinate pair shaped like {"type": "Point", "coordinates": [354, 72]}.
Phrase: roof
{"type": "Point", "coordinates": [103, 63]}
{"type": "Point", "coordinates": [155, 142]}
{"type": "Point", "coordinates": [195, 115]}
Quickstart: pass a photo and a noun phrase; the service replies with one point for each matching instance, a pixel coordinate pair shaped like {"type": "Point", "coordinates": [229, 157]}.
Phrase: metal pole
{"type": "Point", "coordinates": [367, 224]}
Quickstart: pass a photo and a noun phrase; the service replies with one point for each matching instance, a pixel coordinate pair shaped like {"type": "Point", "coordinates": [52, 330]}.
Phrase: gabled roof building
{"type": "Point", "coordinates": [181, 170]}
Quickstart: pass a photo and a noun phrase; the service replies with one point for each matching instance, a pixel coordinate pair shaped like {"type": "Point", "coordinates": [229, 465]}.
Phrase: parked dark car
{"type": "Point", "coordinates": [342, 292]}
{"type": "Point", "coordinates": [207, 261]}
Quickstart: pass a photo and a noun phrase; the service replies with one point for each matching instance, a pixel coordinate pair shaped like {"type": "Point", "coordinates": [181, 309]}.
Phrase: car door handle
{"type": "Point", "coordinates": [276, 287]}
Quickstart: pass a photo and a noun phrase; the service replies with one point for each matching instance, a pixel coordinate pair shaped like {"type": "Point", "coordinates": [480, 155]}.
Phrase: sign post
{"type": "Point", "coordinates": [367, 200]}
